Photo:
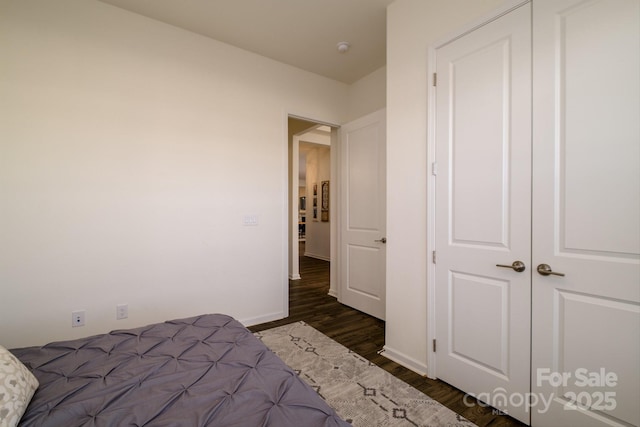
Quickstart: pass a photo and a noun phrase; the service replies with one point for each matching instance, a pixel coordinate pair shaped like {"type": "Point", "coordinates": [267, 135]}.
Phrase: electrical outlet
{"type": "Point", "coordinates": [122, 311]}
{"type": "Point", "coordinates": [77, 318]}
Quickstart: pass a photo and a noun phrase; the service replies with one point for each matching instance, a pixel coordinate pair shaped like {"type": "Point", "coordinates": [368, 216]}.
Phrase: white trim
{"type": "Point", "coordinates": [431, 214]}
{"type": "Point", "coordinates": [406, 361]}
{"type": "Point", "coordinates": [502, 10]}
{"type": "Point", "coordinates": [334, 224]}
{"type": "Point", "coordinates": [294, 265]}
{"type": "Point", "coordinates": [306, 118]}
{"type": "Point", "coordinates": [263, 319]}
{"type": "Point", "coordinates": [296, 277]}
{"type": "Point", "coordinates": [321, 257]}
{"type": "Point", "coordinates": [285, 218]}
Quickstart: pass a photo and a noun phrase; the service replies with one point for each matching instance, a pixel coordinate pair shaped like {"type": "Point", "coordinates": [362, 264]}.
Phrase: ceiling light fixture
{"type": "Point", "coordinates": [343, 47]}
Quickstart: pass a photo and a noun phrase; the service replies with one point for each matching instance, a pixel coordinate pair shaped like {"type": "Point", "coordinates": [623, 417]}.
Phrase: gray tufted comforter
{"type": "Point", "coordinates": [202, 371]}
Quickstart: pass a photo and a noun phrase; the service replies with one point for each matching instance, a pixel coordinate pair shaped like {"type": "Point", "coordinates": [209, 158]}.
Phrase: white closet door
{"type": "Point", "coordinates": [483, 211]}
{"type": "Point", "coordinates": [586, 212]}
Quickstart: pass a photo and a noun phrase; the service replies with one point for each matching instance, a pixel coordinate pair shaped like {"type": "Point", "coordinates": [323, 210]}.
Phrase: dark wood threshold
{"type": "Point", "coordinates": [309, 302]}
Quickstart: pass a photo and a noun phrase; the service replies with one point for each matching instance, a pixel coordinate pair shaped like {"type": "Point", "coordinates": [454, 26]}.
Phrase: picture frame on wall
{"type": "Point", "coordinates": [315, 201]}
{"type": "Point", "coordinates": [324, 212]}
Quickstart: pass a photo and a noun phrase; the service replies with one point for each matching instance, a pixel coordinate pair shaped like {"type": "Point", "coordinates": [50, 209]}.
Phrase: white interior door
{"type": "Point", "coordinates": [483, 211]}
{"type": "Point", "coordinates": [586, 142]}
{"type": "Point", "coordinates": [363, 214]}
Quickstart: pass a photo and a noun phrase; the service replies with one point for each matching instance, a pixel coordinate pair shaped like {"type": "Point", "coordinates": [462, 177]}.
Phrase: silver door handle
{"type": "Point", "coordinates": [545, 270]}
{"type": "Point", "coordinates": [383, 240]}
{"type": "Point", "coordinates": [517, 266]}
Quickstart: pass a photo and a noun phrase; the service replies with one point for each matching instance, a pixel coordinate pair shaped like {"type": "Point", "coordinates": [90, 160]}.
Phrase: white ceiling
{"type": "Point", "coordinates": [302, 33]}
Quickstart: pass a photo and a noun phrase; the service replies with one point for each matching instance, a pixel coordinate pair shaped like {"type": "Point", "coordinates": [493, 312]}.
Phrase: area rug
{"type": "Point", "coordinates": [361, 392]}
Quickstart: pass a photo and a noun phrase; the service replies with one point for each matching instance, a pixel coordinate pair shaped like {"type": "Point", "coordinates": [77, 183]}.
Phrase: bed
{"type": "Point", "coordinates": [201, 371]}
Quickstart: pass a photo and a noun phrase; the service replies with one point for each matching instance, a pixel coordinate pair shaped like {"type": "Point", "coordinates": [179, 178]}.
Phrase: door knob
{"type": "Point", "coordinates": [383, 240]}
{"type": "Point", "coordinates": [545, 270]}
{"type": "Point", "coordinates": [517, 266]}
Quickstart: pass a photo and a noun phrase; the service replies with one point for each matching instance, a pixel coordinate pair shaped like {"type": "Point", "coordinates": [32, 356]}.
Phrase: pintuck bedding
{"type": "Point", "coordinates": [201, 371]}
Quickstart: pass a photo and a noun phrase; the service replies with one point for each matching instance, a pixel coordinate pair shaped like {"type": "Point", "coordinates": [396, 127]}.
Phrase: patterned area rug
{"type": "Point", "coordinates": [361, 392]}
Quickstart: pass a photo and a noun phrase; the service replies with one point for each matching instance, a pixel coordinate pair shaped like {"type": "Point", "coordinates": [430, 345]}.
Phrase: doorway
{"type": "Point", "coordinates": [352, 203]}
{"type": "Point", "coordinates": [313, 192]}
{"type": "Point", "coordinates": [311, 167]}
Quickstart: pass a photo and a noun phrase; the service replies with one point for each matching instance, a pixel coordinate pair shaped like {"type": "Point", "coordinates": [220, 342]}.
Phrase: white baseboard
{"type": "Point", "coordinates": [262, 319]}
{"type": "Point", "coordinates": [322, 257]}
{"type": "Point", "coordinates": [332, 293]}
{"type": "Point", "coordinates": [406, 361]}
{"type": "Point", "coordinates": [294, 277]}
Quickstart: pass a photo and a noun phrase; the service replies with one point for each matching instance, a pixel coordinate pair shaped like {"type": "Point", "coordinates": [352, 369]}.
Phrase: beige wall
{"type": "Point", "coordinates": [367, 94]}
{"type": "Point", "coordinates": [130, 151]}
{"type": "Point", "coordinates": [412, 26]}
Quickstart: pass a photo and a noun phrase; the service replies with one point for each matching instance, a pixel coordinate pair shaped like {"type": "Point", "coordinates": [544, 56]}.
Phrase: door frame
{"type": "Point", "coordinates": [290, 214]}
{"type": "Point", "coordinates": [502, 10]}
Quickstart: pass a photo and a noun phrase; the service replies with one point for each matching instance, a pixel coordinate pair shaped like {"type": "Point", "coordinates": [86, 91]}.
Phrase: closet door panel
{"type": "Point", "coordinates": [483, 211]}
{"type": "Point", "coordinates": [586, 210]}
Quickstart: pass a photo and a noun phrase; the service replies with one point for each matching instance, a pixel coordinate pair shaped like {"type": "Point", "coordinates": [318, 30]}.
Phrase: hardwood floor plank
{"type": "Point", "coordinates": [309, 302]}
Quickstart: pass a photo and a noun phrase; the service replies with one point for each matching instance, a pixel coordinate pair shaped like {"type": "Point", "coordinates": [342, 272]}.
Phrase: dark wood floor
{"type": "Point", "coordinates": [309, 302]}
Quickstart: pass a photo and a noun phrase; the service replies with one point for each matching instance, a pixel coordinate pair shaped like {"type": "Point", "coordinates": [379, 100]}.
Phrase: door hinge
{"type": "Point", "coordinates": [433, 257]}
{"type": "Point", "coordinates": [435, 79]}
{"type": "Point", "coordinates": [434, 345]}
{"type": "Point", "coordinates": [434, 168]}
